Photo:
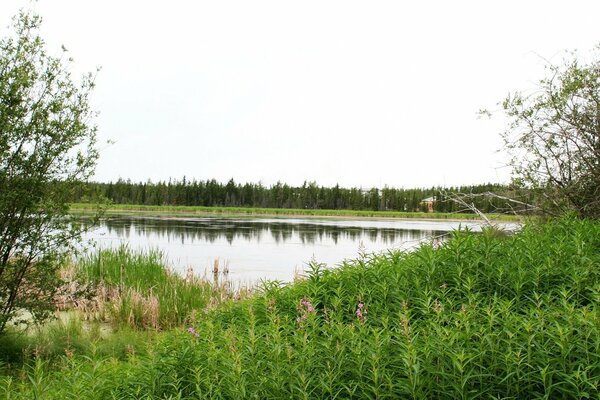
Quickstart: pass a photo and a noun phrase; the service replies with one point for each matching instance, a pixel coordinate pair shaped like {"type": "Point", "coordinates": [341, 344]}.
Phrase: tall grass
{"type": "Point", "coordinates": [138, 290]}
{"type": "Point", "coordinates": [484, 316]}
{"type": "Point", "coordinates": [70, 336]}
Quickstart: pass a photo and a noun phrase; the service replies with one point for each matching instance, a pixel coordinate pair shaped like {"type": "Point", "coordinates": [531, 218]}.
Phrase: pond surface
{"type": "Point", "coordinates": [265, 248]}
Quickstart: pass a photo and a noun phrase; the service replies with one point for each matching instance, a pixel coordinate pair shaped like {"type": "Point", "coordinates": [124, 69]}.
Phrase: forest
{"type": "Point", "coordinates": [212, 193]}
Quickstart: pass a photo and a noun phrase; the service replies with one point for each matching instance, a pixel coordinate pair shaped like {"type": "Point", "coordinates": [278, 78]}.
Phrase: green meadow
{"type": "Point", "coordinates": [486, 315]}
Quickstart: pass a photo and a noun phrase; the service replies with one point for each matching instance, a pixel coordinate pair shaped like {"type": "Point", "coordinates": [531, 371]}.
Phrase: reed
{"type": "Point", "coordinates": [138, 290]}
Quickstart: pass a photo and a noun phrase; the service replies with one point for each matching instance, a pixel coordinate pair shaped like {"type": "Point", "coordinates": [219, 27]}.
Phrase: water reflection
{"type": "Point", "coordinates": [216, 230]}
{"type": "Point", "coordinates": [263, 248]}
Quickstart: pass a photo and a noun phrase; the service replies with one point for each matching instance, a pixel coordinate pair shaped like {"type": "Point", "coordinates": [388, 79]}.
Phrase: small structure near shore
{"type": "Point", "coordinates": [427, 204]}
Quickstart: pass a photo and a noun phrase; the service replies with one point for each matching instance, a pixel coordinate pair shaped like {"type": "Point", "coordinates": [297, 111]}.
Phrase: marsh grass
{"type": "Point", "coordinates": [482, 316]}
{"type": "Point", "coordinates": [138, 290]}
{"type": "Point", "coordinates": [69, 336]}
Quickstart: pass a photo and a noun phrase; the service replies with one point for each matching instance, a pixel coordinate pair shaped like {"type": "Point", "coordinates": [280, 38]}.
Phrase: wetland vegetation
{"type": "Point", "coordinates": [483, 315]}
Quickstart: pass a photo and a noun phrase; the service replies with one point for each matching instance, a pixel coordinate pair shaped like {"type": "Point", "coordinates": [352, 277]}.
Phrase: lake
{"type": "Point", "coordinates": [265, 248]}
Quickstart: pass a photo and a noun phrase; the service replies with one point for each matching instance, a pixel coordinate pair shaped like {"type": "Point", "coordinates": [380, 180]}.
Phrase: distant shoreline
{"type": "Point", "coordinates": [200, 211]}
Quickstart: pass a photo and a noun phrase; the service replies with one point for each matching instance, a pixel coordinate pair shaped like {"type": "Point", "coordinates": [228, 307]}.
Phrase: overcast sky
{"type": "Point", "coordinates": [357, 93]}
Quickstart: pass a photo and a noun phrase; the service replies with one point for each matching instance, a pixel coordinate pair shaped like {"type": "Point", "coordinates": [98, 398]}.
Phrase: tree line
{"type": "Point", "coordinates": [212, 193]}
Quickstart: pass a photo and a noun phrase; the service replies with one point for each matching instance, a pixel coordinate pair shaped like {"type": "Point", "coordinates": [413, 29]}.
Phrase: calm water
{"type": "Point", "coordinates": [263, 248]}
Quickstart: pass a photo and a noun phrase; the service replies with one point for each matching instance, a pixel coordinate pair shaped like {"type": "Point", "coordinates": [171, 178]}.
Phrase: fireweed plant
{"type": "Point", "coordinates": [483, 316]}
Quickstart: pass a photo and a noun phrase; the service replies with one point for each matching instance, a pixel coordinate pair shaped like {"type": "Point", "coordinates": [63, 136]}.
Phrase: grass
{"type": "Point", "coordinates": [483, 316]}
{"type": "Point", "coordinates": [137, 290]}
{"type": "Point", "coordinates": [126, 209]}
{"type": "Point", "coordinates": [70, 335]}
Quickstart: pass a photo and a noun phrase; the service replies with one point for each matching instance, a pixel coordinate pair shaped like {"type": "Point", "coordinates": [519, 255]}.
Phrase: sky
{"type": "Point", "coordinates": [355, 93]}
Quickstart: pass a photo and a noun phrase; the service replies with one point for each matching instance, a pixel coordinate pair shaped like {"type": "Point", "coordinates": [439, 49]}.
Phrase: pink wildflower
{"type": "Point", "coordinates": [361, 312]}
{"type": "Point", "coordinates": [305, 308]}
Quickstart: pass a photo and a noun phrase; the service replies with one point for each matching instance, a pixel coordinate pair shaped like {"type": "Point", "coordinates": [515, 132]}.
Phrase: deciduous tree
{"type": "Point", "coordinates": [47, 149]}
{"type": "Point", "coordinates": [554, 137]}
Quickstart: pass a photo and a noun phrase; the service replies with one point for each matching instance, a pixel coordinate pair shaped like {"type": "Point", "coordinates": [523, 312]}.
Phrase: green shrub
{"type": "Point", "coordinates": [484, 316]}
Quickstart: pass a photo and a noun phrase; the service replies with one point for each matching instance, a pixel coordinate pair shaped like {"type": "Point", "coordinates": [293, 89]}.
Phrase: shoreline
{"type": "Point", "coordinates": [241, 212]}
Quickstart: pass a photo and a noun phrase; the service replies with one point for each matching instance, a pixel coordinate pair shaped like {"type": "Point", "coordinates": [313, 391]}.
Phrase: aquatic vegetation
{"type": "Point", "coordinates": [138, 290]}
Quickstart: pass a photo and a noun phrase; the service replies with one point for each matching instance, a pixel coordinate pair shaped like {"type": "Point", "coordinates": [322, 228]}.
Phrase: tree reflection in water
{"type": "Point", "coordinates": [212, 230]}
{"type": "Point", "coordinates": [264, 248]}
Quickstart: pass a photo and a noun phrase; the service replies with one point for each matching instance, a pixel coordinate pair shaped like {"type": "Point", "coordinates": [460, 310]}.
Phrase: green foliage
{"type": "Point", "coordinates": [554, 138]}
{"type": "Point", "coordinates": [307, 197]}
{"type": "Point", "coordinates": [13, 347]}
{"type": "Point", "coordinates": [46, 151]}
{"type": "Point", "coordinates": [70, 336]}
{"type": "Point", "coordinates": [139, 291]}
{"type": "Point", "coordinates": [484, 316]}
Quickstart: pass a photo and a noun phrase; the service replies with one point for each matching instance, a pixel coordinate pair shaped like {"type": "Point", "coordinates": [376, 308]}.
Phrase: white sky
{"type": "Point", "coordinates": [357, 93]}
